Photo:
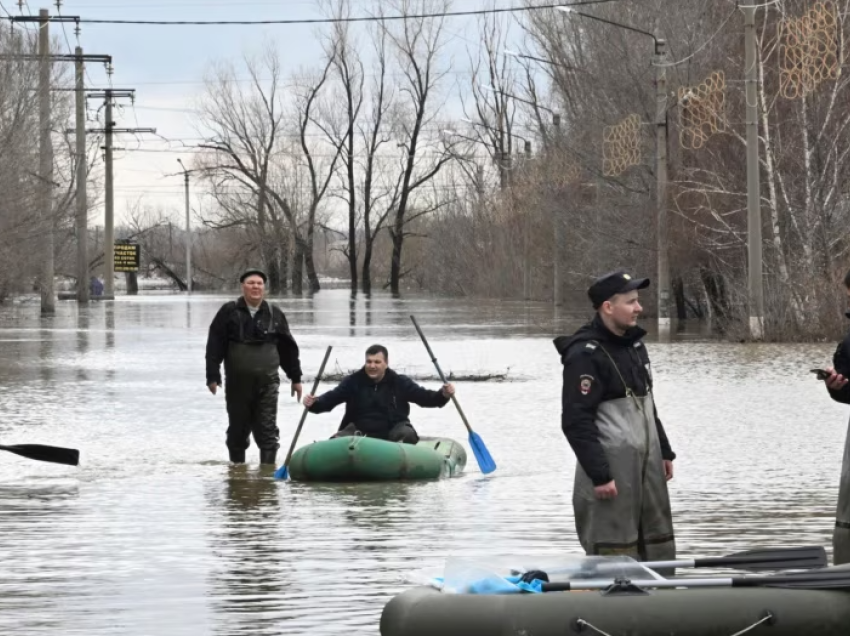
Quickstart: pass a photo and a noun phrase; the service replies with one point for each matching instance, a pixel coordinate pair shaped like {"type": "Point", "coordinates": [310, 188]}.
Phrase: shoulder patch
{"type": "Point", "coordinates": [585, 383]}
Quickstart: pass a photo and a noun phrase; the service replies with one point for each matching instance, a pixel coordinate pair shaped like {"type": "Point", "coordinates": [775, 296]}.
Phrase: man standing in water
{"type": "Point", "coordinates": [836, 385]}
{"type": "Point", "coordinates": [620, 496]}
{"type": "Point", "coordinates": [252, 338]}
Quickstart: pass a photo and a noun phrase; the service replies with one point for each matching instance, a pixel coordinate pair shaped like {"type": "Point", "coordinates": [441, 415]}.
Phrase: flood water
{"type": "Point", "coordinates": [154, 533]}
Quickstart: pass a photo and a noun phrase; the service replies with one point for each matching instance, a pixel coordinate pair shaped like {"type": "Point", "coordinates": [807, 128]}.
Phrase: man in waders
{"type": "Point", "coordinates": [608, 416]}
{"type": "Point", "coordinates": [839, 391]}
{"type": "Point", "coordinates": [252, 338]}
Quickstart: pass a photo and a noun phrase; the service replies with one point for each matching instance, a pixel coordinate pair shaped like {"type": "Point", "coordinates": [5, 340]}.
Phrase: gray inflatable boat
{"type": "Point", "coordinates": [819, 603]}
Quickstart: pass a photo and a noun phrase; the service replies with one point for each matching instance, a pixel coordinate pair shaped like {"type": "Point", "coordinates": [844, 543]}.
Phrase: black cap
{"type": "Point", "coordinates": [618, 282]}
{"type": "Point", "coordinates": [250, 272]}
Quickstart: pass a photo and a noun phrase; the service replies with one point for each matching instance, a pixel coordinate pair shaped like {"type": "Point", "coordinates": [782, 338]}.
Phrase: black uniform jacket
{"type": "Point", "coordinates": [590, 378]}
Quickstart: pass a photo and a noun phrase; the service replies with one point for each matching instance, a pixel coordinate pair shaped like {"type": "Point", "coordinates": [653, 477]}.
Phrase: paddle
{"type": "Point", "coordinates": [823, 580]}
{"type": "Point", "coordinates": [753, 560]}
{"type": "Point", "coordinates": [482, 455]}
{"type": "Point", "coordinates": [39, 452]}
{"type": "Point", "coordinates": [283, 472]}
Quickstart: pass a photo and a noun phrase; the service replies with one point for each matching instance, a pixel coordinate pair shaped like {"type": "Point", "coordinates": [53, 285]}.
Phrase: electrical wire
{"type": "Point", "coordinates": [705, 44]}
{"type": "Point", "coordinates": [442, 14]}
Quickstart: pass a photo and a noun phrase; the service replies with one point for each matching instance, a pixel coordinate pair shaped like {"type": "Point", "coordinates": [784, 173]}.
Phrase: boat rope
{"type": "Point", "coordinates": [766, 618]}
{"type": "Point", "coordinates": [583, 623]}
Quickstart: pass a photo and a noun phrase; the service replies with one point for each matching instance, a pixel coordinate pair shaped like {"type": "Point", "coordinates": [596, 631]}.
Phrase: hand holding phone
{"type": "Point", "coordinates": [821, 373]}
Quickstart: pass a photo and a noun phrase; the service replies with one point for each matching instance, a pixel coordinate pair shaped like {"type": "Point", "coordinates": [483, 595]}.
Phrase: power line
{"type": "Point", "coordinates": [416, 16]}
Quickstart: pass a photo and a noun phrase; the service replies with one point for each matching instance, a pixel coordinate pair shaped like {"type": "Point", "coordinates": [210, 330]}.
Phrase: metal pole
{"type": "Point", "coordinates": [109, 222]}
{"type": "Point", "coordinates": [45, 154]}
{"type": "Point", "coordinates": [754, 248]}
{"type": "Point", "coordinates": [188, 237]}
{"type": "Point", "coordinates": [82, 206]}
{"type": "Point", "coordinates": [661, 159]}
{"type": "Point", "coordinates": [557, 233]}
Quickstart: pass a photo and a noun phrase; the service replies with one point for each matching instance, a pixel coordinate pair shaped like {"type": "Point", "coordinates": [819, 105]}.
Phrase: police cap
{"type": "Point", "coordinates": [618, 282]}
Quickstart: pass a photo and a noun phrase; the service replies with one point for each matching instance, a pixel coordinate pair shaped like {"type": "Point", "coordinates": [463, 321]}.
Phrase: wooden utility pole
{"type": "Point", "coordinates": [44, 58]}
{"type": "Point", "coordinates": [45, 155]}
{"type": "Point", "coordinates": [109, 95]}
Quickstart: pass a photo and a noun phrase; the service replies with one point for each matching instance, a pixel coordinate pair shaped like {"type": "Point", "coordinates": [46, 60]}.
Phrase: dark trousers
{"type": "Point", "coordinates": [402, 432]}
{"type": "Point", "coordinates": [252, 410]}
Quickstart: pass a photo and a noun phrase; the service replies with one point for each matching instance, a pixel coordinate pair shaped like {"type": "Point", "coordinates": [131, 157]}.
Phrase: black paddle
{"type": "Point", "coordinates": [827, 579]}
{"type": "Point", "coordinates": [39, 452]}
{"type": "Point", "coordinates": [804, 558]}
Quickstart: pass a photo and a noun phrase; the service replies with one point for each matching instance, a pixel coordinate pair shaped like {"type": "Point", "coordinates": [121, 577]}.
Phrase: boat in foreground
{"type": "Point", "coordinates": [612, 597]}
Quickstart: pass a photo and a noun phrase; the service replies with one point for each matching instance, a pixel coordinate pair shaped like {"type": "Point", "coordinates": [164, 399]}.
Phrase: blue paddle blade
{"type": "Point", "coordinates": [482, 455]}
{"type": "Point", "coordinates": [281, 473]}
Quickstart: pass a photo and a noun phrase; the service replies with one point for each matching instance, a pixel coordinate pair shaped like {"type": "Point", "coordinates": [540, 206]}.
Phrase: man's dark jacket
{"type": "Point", "coordinates": [376, 407]}
{"type": "Point", "coordinates": [233, 324]}
{"type": "Point", "coordinates": [590, 378]}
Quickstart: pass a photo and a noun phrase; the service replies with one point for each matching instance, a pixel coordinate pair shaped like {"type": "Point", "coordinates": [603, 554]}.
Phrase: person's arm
{"type": "Point", "coordinates": [419, 395]}
{"type": "Point", "coordinates": [217, 345]}
{"type": "Point", "coordinates": [581, 394]}
{"type": "Point", "coordinates": [287, 349]}
{"type": "Point", "coordinates": [329, 400]}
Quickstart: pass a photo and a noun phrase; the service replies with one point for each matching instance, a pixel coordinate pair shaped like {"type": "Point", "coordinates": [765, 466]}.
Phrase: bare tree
{"type": "Point", "coordinates": [417, 43]}
{"type": "Point", "coordinates": [252, 150]}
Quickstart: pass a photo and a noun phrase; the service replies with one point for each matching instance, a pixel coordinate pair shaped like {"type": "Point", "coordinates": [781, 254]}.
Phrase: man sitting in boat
{"type": "Point", "coordinates": [377, 400]}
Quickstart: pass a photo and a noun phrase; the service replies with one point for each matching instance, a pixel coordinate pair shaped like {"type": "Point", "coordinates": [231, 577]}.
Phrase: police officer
{"type": "Point", "coordinates": [252, 338]}
{"type": "Point", "coordinates": [839, 390]}
{"type": "Point", "coordinates": [624, 459]}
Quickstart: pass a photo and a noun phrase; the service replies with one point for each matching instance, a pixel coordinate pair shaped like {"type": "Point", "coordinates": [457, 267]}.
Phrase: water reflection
{"type": "Point", "coordinates": [252, 573]}
{"type": "Point", "coordinates": [82, 341]}
{"type": "Point", "coordinates": [164, 538]}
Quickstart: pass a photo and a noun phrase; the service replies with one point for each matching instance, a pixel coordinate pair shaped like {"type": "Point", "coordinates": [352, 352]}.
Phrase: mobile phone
{"type": "Point", "coordinates": [822, 375]}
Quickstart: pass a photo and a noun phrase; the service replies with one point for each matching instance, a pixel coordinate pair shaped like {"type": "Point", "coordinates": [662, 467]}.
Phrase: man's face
{"type": "Point", "coordinates": [253, 289]}
{"type": "Point", "coordinates": [376, 366]}
{"type": "Point", "coordinates": [623, 309]}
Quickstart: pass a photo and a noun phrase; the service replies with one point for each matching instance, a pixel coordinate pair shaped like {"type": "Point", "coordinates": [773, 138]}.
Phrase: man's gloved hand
{"type": "Point", "coordinates": [529, 576]}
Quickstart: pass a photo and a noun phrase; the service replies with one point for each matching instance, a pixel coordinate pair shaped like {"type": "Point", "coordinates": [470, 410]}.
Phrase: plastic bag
{"type": "Point", "coordinates": [462, 575]}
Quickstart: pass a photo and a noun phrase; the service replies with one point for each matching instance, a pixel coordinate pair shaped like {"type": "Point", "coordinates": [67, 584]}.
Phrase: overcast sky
{"type": "Point", "coordinates": [166, 64]}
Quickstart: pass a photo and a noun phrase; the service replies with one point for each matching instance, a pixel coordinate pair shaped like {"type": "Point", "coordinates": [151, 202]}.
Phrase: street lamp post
{"type": "Point", "coordinates": [188, 230]}
{"type": "Point", "coordinates": [661, 167]}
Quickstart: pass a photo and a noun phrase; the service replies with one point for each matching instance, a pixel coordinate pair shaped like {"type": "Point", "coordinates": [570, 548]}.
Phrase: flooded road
{"type": "Point", "coordinates": [154, 533]}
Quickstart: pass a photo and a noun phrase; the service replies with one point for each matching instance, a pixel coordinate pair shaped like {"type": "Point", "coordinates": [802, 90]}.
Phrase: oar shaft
{"type": "Point", "coordinates": [304, 414]}
{"type": "Point", "coordinates": [440, 372]}
{"type": "Point", "coordinates": [601, 584]}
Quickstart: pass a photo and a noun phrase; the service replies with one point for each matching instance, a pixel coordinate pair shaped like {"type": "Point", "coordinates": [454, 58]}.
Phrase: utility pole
{"type": "Point", "coordinates": [188, 230]}
{"type": "Point", "coordinates": [81, 198]}
{"type": "Point", "coordinates": [109, 95]}
{"type": "Point", "coordinates": [661, 161]}
{"type": "Point", "coordinates": [558, 233]}
{"type": "Point", "coordinates": [45, 154]}
{"type": "Point", "coordinates": [754, 255]}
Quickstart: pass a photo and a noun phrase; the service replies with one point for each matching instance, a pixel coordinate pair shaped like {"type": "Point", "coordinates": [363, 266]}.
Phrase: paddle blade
{"type": "Point", "coordinates": [281, 473]}
{"type": "Point", "coordinates": [482, 455]}
{"type": "Point", "coordinates": [827, 579]}
{"type": "Point", "coordinates": [803, 558]}
{"type": "Point", "coordinates": [39, 452]}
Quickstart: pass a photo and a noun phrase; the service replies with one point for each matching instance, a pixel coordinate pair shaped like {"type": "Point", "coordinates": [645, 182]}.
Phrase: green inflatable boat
{"type": "Point", "coordinates": [370, 459]}
{"type": "Point", "coordinates": [695, 611]}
